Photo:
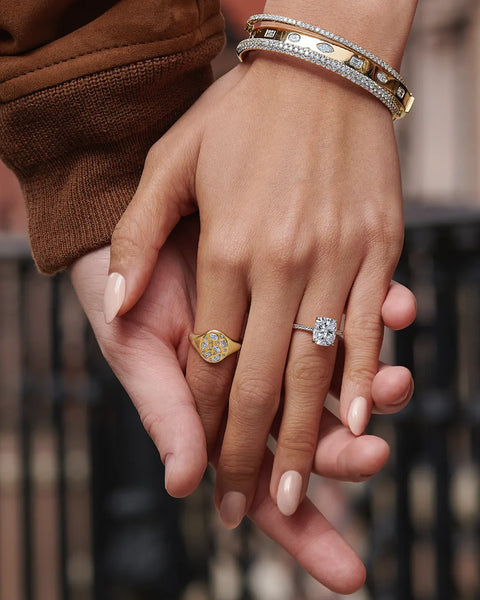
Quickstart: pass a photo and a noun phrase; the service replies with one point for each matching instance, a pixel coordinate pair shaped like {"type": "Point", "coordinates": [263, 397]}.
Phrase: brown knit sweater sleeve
{"type": "Point", "coordinates": [86, 87]}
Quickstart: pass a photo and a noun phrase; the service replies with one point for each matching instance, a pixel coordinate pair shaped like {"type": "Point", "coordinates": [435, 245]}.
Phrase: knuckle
{"type": "Point", "coordinates": [361, 373]}
{"type": "Point", "coordinates": [152, 423]}
{"type": "Point", "coordinates": [256, 398]}
{"type": "Point", "coordinates": [206, 389]}
{"type": "Point", "coordinates": [386, 233]}
{"type": "Point", "coordinates": [307, 376]}
{"type": "Point", "coordinates": [155, 154]}
{"type": "Point", "coordinates": [129, 237]}
{"type": "Point", "coordinates": [301, 440]}
{"type": "Point", "coordinates": [368, 328]}
{"type": "Point", "coordinates": [219, 256]}
{"type": "Point", "coordinates": [238, 465]}
{"type": "Point", "coordinates": [286, 251]}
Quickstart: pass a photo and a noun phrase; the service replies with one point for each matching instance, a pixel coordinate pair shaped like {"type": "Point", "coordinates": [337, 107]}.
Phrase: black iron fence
{"type": "Point", "coordinates": [83, 513]}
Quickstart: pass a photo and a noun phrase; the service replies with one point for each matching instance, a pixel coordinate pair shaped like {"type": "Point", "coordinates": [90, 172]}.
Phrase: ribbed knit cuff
{"type": "Point", "coordinates": [78, 148]}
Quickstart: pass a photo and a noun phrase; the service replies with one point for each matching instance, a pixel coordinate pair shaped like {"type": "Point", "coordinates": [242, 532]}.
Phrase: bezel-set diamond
{"type": "Point", "coordinates": [325, 48]}
{"type": "Point", "coordinates": [369, 71]}
{"type": "Point", "coordinates": [382, 77]}
{"type": "Point", "coordinates": [328, 34]}
{"type": "Point", "coordinates": [328, 62]}
{"type": "Point", "coordinates": [324, 331]}
{"type": "Point", "coordinates": [356, 63]}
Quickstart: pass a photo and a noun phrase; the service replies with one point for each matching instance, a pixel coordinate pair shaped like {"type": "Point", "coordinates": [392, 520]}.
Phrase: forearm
{"type": "Point", "coordinates": [381, 26]}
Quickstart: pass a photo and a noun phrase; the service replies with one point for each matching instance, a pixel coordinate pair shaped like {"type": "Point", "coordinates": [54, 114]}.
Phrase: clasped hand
{"type": "Point", "coordinates": [300, 215]}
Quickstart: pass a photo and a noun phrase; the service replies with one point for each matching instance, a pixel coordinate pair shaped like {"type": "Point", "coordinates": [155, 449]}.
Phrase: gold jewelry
{"type": "Point", "coordinates": [332, 52]}
{"type": "Point", "coordinates": [213, 346]}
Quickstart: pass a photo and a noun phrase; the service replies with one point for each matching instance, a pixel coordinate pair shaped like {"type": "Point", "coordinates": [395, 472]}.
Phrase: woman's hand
{"type": "Point", "coordinates": [296, 177]}
{"type": "Point", "coordinates": [147, 349]}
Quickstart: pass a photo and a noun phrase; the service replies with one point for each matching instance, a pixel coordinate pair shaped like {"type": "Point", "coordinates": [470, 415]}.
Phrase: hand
{"type": "Point", "coordinates": [301, 215]}
{"type": "Point", "coordinates": [147, 349]}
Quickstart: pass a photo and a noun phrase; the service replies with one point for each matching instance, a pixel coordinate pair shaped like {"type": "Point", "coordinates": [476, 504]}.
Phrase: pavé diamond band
{"type": "Point", "coordinates": [318, 46]}
{"type": "Point", "coordinates": [323, 332]}
{"type": "Point", "coordinates": [213, 346]}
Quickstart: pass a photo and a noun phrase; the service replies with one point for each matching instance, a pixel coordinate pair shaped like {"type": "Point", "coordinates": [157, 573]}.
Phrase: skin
{"type": "Point", "coordinates": [300, 205]}
{"type": "Point", "coordinates": [148, 349]}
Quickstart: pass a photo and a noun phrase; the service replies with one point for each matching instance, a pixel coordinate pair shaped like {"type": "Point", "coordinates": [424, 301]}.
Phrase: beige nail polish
{"type": "Point", "coordinates": [114, 296]}
{"type": "Point", "coordinates": [289, 491]}
{"type": "Point", "coordinates": [169, 467]}
{"type": "Point", "coordinates": [232, 509]}
{"type": "Point", "coordinates": [358, 415]}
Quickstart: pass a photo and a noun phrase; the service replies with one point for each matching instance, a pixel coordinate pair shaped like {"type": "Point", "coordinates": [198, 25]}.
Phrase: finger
{"type": "Point", "coordinates": [392, 386]}
{"type": "Point", "coordinates": [309, 538]}
{"type": "Point", "coordinates": [254, 400]}
{"type": "Point", "coordinates": [399, 308]}
{"type": "Point", "coordinates": [221, 305]}
{"type": "Point", "coordinates": [166, 408]}
{"type": "Point", "coordinates": [392, 389]}
{"type": "Point", "coordinates": [165, 194]}
{"type": "Point", "coordinates": [363, 338]}
{"type": "Point", "coordinates": [341, 455]}
{"type": "Point", "coordinates": [307, 380]}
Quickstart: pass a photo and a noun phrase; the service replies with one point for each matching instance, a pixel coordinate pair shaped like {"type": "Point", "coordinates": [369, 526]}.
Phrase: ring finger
{"type": "Point", "coordinates": [307, 380]}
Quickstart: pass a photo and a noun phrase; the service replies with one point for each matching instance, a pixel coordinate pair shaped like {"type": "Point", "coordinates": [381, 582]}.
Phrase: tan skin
{"type": "Point", "coordinates": [147, 348]}
{"type": "Point", "coordinates": [295, 174]}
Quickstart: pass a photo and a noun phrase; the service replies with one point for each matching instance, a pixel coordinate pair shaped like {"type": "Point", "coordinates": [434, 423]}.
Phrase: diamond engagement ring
{"type": "Point", "coordinates": [323, 332]}
{"type": "Point", "coordinates": [213, 346]}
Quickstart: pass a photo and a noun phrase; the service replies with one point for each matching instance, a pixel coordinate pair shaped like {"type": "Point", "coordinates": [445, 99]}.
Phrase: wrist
{"type": "Point", "coordinates": [381, 26]}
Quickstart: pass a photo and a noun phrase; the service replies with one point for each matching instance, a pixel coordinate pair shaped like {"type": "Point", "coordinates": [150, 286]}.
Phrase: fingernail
{"type": "Point", "coordinates": [232, 509]}
{"type": "Point", "coordinates": [289, 490]}
{"type": "Point", "coordinates": [169, 468]}
{"type": "Point", "coordinates": [409, 393]}
{"type": "Point", "coordinates": [358, 415]}
{"type": "Point", "coordinates": [114, 296]}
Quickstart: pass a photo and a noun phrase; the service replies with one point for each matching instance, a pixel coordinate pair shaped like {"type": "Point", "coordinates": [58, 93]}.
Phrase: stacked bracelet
{"type": "Point", "coordinates": [315, 45]}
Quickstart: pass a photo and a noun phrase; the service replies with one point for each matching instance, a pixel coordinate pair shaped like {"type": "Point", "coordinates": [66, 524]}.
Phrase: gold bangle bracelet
{"type": "Point", "coordinates": [332, 52]}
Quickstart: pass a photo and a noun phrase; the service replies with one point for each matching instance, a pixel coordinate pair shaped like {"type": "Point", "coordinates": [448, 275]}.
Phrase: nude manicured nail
{"type": "Point", "coordinates": [358, 415]}
{"type": "Point", "coordinates": [114, 296]}
{"type": "Point", "coordinates": [289, 491]}
{"type": "Point", "coordinates": [169, 468]}
{"type": "Point", "coordinates": [232, 509]}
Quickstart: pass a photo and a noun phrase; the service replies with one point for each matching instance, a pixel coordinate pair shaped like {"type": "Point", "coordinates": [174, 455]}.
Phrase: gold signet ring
{"type": "Point", "coordinates": [213, 346]}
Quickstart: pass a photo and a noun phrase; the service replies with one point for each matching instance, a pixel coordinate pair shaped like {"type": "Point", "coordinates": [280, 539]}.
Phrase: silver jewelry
{"type": "Point", "coordinates": [324, 331]}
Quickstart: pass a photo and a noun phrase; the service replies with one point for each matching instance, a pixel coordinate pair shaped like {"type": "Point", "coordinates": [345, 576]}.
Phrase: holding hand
{"type": "Point", "coordinates": [147, 349]}
{"type": "Point", "coordinates": [301, 216]}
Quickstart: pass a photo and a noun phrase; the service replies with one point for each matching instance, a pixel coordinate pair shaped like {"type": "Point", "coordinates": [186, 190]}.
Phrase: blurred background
{"type": "Point", "coordinates": [82, 511]}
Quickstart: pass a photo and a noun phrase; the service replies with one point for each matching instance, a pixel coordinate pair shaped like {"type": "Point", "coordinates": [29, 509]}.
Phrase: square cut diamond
{"type": "Point", "coordinates": [270, 33]}
{"type": "Point", "coordinates": [356, 63]}
{"type": "Point", "coordinates": [382, 77]}
{"type": "Point", "coordinates": [324, 331]}
{"type": "Point", "coordinates": [401, 93]}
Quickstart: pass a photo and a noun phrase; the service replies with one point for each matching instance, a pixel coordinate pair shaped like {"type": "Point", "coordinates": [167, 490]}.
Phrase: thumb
{"type": "Point", "coordinates": [165, 194]}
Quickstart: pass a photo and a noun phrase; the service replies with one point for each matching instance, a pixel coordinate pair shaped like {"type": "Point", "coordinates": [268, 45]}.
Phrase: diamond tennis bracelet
{"type": "Point", "coordinates": [326, 49]}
